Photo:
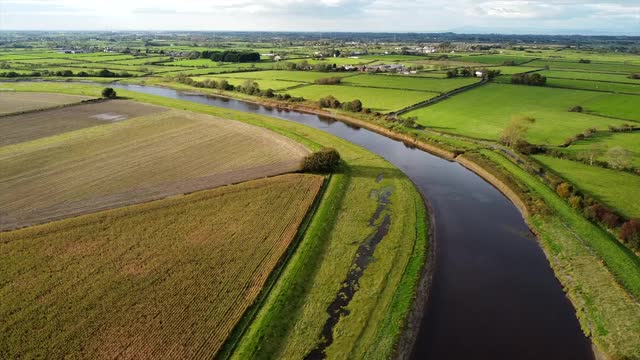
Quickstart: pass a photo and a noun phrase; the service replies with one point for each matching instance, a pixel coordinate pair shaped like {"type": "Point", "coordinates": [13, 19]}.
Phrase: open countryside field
{"type": "Point", "coordinates": [177, 274]}
{"type": "Point", "coordinates": [34, 125]}
{"type": "Point", "coordinates": [601, 67]}
{"type": "Point", "coordinates": [262, 84]}
{"type": "Point", "coordinates": [603, 141]}
{"type": "Point", "coordinates": [485, 111]}
{"type": "Point", "coordinates": [382, 100]}
{"type": "Point", "coordinates": [300, 76]}
{"type": "Point", "coordinates": [617, 189]}
{"type": "Point", "coordinates": [13, 102]}
{"type": "Point", "coordinates": [595, 86]}
{"type": "Point", "coordinates": [588, 75]}
{"type": "Point", "coordinates": [410, 83]}
{"type": "Point", "coordinates": [136, 160]}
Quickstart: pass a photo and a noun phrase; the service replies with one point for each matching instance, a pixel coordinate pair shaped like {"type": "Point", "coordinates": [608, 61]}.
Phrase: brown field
{"type": "Point", "coordinates": [141, 159]}
{"type": "Point", "coordinates": [167, 279]}
{"type": "Point", "coordinates": [12, 102]}
{"type": "Point", "coordinates": [39, 124]}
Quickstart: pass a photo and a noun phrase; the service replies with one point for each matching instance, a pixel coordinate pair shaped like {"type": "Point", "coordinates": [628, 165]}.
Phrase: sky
{"type": "Point", "coordinates": [464, 16]}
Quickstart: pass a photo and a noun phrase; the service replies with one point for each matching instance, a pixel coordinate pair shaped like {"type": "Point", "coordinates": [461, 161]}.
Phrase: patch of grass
{"type": "Point", "coordinates": [177, 274]}
{"type": "Point", "coordinates": [410, 83]}
{"type": "Point", "coordinates": [594, 66]}
{"type": "Point", "coordinates": [299, 76]}
{"type": "Point", "coordinates": [484, 112]}
{"type": "Point", "coordinates": [596, 85]}
{"type": "Point", "coordinates": [382, 100]}
{"type": "Point", "coordinates": [588, 75]}
{"type": "Point", "coordinates": [604, 141]}
{"type": "Point", "coordinates": [262, 84]}
{"type": "Point", "coordinates": [620, 190]}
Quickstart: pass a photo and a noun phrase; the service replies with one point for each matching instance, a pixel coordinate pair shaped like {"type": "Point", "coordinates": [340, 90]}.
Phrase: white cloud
{"type": "Point", "coordinates": [319, 15]}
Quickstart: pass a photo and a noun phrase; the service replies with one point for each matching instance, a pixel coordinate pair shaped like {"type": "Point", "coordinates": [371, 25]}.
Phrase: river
{"type": "Point", "coordinates": [493, 294]}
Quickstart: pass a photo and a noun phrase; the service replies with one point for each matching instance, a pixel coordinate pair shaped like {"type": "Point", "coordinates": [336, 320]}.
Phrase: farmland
{"type": "Point", "coordinates": [263, 84]}
{"type": "Point", "coordinates": [484, 112]}
{"type": "Point", "coordinates": [588, 75]}
{"type": "Point", "coordinates": [603, 141]}
{"type": "Point", "coordinates": [177, 273]}
{"type": "Point", "coordinates": [382, 100]}
{"type": "Point", "coordinates": [35, 125]}
{"type": "Point", "coordinates": [410, 83]}
{"type": "Point", "coordinates": [612, 187]}
{"type": "Point", "coordinates": [12, 102]}
{"type": "Point", "coordinates": [141, 159]}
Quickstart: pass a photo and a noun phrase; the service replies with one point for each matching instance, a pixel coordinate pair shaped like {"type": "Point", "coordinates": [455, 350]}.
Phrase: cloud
{"type": "Point", "coordinates": [320, 15]}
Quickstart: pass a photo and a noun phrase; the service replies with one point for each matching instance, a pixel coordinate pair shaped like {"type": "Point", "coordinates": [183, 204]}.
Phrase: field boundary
{"type": "Point", "coordinates": [438, 98]}
{"type": "Point", "coordinates": [245, 322]}
{"type": "Point", "coordinates": [81, 102]}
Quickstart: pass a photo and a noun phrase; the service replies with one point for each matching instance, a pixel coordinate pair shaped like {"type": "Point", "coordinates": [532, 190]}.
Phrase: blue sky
{"type": "Point", "coordinates": [512, 16]}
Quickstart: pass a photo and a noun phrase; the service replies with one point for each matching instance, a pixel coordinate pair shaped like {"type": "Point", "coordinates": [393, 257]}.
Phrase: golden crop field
{"type": "Point", "coordinates": [166, 279]}
{"type": "Point", "coordinates": [140, 159]}
{"type": "Point", "coordinates": [12, 102]}
{"type": "Point", "coordinates": [38, 124]}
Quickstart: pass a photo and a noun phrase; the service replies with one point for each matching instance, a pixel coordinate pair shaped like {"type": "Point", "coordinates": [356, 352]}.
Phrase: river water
{"type": "Point", "coordinates": [493, 295]}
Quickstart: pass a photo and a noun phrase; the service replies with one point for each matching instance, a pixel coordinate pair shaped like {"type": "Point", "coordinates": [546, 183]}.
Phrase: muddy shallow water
{"type": "Point", "coordinates": [493, 294]}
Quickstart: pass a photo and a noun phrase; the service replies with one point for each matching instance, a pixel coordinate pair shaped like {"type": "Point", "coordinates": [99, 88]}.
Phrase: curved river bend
{"type": "Point", "coordinates": [493, 294]}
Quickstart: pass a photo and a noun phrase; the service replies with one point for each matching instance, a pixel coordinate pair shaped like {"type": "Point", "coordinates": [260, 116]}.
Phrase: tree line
{"type": "Point", "coordinates": [231, 56]}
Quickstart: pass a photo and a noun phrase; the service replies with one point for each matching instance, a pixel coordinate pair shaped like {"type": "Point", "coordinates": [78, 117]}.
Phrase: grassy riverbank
{"type": "Point", "coordinates": [291, 320]}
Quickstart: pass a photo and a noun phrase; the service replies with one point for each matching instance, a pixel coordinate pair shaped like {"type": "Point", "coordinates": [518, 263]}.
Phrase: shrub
{"type": "Point", "coordinates": [635, 76]}
{"type": "Point", "coordinates": [329, 81]}
{"type": "Point", "coordinates": [323, 161]}
{"type": "Point", "coordinates": [109, 93]}
{"type": "Point", "coordinates": [575, 202]}
{"type": "Point", "coordinates": [564, 190]}
{"type": "Point", "coordinates": [630, 233]}
{"type": "Point", "coordinates": [534, 79]}
{"type": "Point", "coordinates": [577, 109]}
{"type": "Point", "coordinates": [329, 102]}
{"type": "Point", "coordinates": [584, 61]}
{"type": "Point", "coordinates": [611, 220]}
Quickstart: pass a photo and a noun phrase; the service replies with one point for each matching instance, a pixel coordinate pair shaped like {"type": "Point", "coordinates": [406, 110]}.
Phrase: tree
{"type": "Point", "coordinates": [109, 93]}
{"type": "Point", "coordinates": [516, 130]}
{"type": "Point", "coordinates": [630, 233]}
{"type": "Point", "coordinates": [592, 152]}
{"type": "Point", "coordinates": [323, 161]}
{"type": "Point", "coordinates": [618, 157]}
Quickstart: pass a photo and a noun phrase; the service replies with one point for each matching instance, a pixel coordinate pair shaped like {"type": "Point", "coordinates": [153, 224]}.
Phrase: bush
{"type": "Point", "coordinates": [564, 190]}
{"type": "Point", "coordinates": [575, 202]}
{"type": "Point", "coordinates": [630, 233]}
{"type": "Point", "coordinates": [329, 102]}
{"type": "Point", "coordinates": [323, 161]}
{"type": "Point", "coordinates": [329, 81]}
{"type": "Point", "coordinates": [611, 220]}
{"type": "Point", "coordinates": [577, 109]}
{"type": "Point", "coordinates": [109, 93]}
{"type": "Point", "coordinates": [534, 79]}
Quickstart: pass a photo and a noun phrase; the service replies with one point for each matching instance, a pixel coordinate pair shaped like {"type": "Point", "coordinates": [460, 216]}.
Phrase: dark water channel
{"type": "Point", "coordinates": [493, 295]}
